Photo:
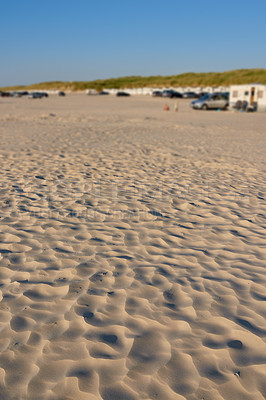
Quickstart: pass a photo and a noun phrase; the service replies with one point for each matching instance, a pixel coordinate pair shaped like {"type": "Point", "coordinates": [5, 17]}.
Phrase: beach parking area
{"type": "Point", "coordinates": [132, 250]}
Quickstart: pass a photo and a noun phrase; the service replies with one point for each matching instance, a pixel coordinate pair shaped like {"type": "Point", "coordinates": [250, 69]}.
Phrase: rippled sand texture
{"type": "Point", "coordinates": [132, 251]}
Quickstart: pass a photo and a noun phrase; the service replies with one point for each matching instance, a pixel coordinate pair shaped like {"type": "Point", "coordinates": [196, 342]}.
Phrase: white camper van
{"type": "Point", "coordinates": [252, 97]}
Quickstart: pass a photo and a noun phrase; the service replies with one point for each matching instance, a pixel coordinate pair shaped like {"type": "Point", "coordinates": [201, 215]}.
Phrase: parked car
{"type": "Point", "coordinates": [202, 94]}
{"type": "Point", "coordinates": [5, 94]}
{"type": "Point", "coordinates": [190, 95]}
{"type": "Point", "coordinates": [122, 94]}
{"type": "Point", "coordinates": [211, 101]}
{"type": "Point", "coordinates": [19, 94]}
{"type": "Point", "coordinates": [61, 94]}
{"type": "Point", "coordinates": [103, 93]}
{"type": "Point", "coordinates": [156, 93]}
{"type": "Point", "coordinates": [171, 93]}
{"type": "Point", "coordinates": [37, 95]}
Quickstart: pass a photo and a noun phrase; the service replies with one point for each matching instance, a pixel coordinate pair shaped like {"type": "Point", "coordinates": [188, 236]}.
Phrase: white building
{"type": "Point", "coordinates": [251, 93]}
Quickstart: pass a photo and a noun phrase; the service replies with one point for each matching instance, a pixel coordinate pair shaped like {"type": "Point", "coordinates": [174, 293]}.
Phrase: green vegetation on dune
{"type": "Point", "coordinates": [192, 79]}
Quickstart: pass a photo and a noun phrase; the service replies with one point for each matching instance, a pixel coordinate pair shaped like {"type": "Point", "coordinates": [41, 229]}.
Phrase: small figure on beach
{"type": "Point", "coordinates": [176, 106]}
{"type": "Point", "coordinates": [166, 107]}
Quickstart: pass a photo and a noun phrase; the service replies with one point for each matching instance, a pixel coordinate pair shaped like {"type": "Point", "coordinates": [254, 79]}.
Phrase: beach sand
{"type": "Point", "coordinates": [132, 251]}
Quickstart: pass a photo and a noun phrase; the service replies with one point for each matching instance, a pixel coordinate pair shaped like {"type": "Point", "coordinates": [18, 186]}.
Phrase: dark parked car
{"type": "Point", "coordinates": [61, 94]}
{"type": "Point", "coordinates": [190, 95]}
{"type": "Point", "coordinates": [103, 93]}
{"type": "Point", "coordinates": [5, 94]}
{"type": "Point", "coordinates": [156, 93]}
{"type": "Point", "coordinates": [171, 94]}
{"type": "Point", "coordinates": [20, 94]}
{"type": "Point", "coordinates": [37, 95]}
{"type": "Point", "coordinates": [122, 94]}
{"type": "Point", "coordinates": [202, 94]}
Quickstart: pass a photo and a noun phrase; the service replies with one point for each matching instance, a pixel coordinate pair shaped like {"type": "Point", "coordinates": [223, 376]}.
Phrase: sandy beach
{"type": "Point", "coordinates": [132, 250]}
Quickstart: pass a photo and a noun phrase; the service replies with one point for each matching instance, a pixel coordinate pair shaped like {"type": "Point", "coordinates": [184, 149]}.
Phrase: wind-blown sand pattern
{"type": "Point", "coordinates": [132, 251]}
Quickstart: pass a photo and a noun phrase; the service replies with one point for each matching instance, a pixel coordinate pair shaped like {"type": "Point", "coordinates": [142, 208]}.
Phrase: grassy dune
{"type": "Point", "coordinates": [192, 79]}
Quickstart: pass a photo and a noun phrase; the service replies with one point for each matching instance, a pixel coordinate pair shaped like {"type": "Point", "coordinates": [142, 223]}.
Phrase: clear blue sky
{"type": "Point", "coordinates": [46, 40]}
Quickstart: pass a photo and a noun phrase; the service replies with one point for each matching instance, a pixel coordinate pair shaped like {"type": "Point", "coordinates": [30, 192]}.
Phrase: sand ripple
{"type": "Point", "coordinates": [132, 253]}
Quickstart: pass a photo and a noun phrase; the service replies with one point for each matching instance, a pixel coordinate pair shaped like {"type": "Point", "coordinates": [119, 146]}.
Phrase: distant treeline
{"type": "Point", "coordinates": [192, 79]}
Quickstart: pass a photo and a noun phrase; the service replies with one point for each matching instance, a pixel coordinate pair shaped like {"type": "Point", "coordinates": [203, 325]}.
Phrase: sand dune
{"type": "Point", "coordinates": [132, 251]}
